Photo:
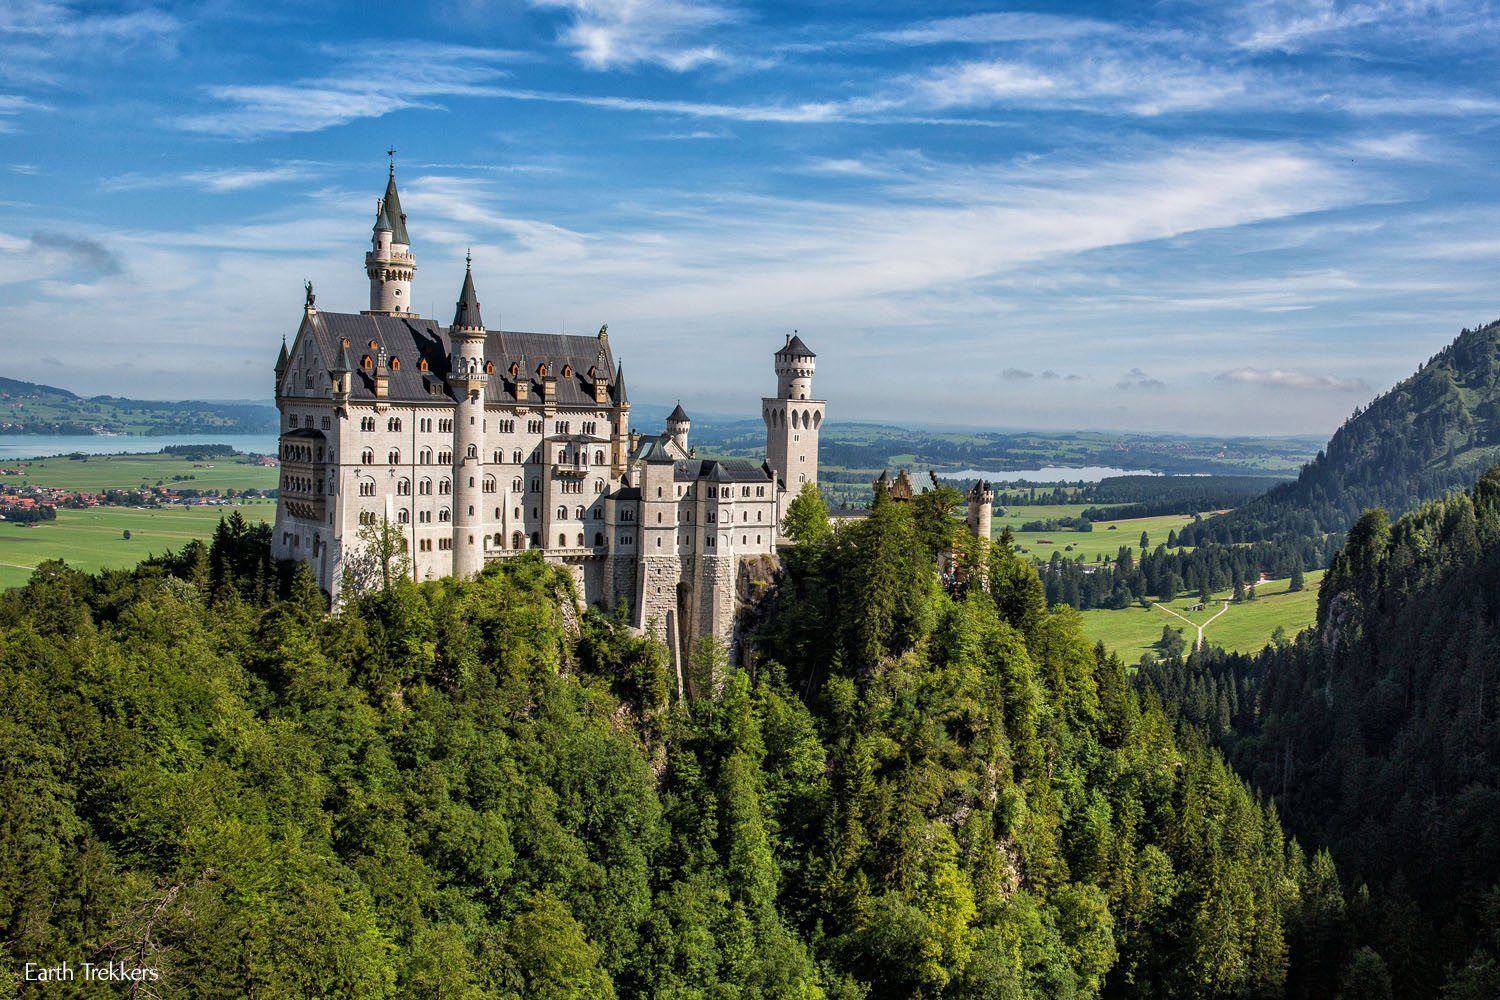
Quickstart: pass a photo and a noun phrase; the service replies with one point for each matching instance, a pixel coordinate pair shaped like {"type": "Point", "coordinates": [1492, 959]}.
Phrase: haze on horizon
{"type": "Point", "coordinates": [1206, 218]}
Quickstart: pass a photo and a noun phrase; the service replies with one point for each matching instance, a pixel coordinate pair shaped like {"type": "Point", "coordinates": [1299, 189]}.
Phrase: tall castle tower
{"type": "Point", "coordinates": [793, 418]}
{"type": "Point", "coordinates": [467, 378]}
{"type": "Point", "coordinates": [390, 264]}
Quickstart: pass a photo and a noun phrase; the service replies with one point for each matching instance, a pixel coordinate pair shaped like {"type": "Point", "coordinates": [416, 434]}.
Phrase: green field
{"type": "Point", "coordinates": [1102, 540]}
{"type": "Point", "coordinates": [1244, 628]}
{"type": "Point", "coordinates": [94, 539]}
{"type": "Point", "coordinates": [101, 472]}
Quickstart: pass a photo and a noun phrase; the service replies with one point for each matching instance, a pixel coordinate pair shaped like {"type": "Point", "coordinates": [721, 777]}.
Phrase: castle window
{"type": "Point", "coordinates": [367, 362]}
{"type": "Point", "coordinates": [598, 538]}
{"type": "Point", "coordinates": [396, 362]}
{"type": "Point", "coordinates": [562, 455]}
{"type": "Point", "coordinates": [422, 365]}
{"type": "Point", "coordinates": [758, 516]}
{"type": "Point", "coordinates": [658, 491]}
{"type": "Point", "coordinates": [489, 484]}
{"type": "Point", "coordinates": [393, 424]}
{"type": "Point", "coordinates": [517, 540]}
{"type": "Point", "coordinates": [497, 456]}
{"type": "Point", "coordinates": [424, 457]}
{"type": "Point", "coordinates": [598, 458]}
{"type": "Point", "coordinates": [445, 458]}
{"type": "Point", "coordinates": [489, 367]}
{"type": "Point", "coordinates": [403, 516]}
{"type": "Point", "coordinates": [403, 487]}
{"type": "Point", "coordinates": [367, 487]}
{"type": "Point", "coordinates": [710, 517]}
{"type": "Point", "coordinates": [394, 456]}
{"type": "Point", "coordinates": [445, 426]}
{"type": "Point", "coordinates": [445, 486]}
{"type": "Point", "coordinates": [425, 487]}
{"type": "Point", "coordinates": [567, 371]}
{"type": "Point", "coordinates": [507, 427]}
{"type": "Point", "coordinates": [598, 513]}
{"type": "Point", "coordinates": [562, 513]}
{"type": "Point", "coordinates": [515, 485]}
{"type": "Point", "coordinates": [627, 514]}
{"type": "Point", "coordinates": [473, 451]}
{"type": "Point", "coordinates": [444, 514]}
{"type": "Point", "coordinates": [291, 421]}
{"type": "Point", "coordinates": [658, 517]}
{"type": "Point", "coordinates": [562, 540]}
{"type": "Point", "coordinates": [515, 456]}
{"type": "Point", "coordinates": [373, 345]}
{"type": "Point", "coordinates": [598, 486]}
{"type": "Point", "coordinates": [744, 491]}
{"type": "Point", "coordinates": [578, 513]}
{"type": "Point", "coordinates": [367, 457]}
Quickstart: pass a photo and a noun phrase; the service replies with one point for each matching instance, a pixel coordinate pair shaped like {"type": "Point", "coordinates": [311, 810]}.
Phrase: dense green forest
{"type": "Point", "coordinates": [465, 789]}
{"type": "Point", "coordinates": [1437, 430]}
{"type": "Point", "coordinates": [1379, 734]}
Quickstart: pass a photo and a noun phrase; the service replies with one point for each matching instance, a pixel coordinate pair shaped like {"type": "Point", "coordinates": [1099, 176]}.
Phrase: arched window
{"type": "Point", "coordinates": [515, 456]}
{"type": "Point", "coordinates": [562, 513]}
{"type": "Point", "coordinates": [403, 516]}
{"type": "Point", "coordinates": [422, 365]}
{"type": "Point", "coordinates": [394, 457]}
{"type": "Point", "coordinates": [497, 457]}
{"type": "Point", "coordinates": [517, 540]}
{"type": "Point", "coordinates": [627, 515]}
{"type": "Point", "coordinates": [598, 486]}
{"type": "Point", "coordinates": [473, 451]}
{"type": "Point", "coordinates": [580, 539]}
{"type": "Point", "coordinates": [445, 486]}
{"type": "Point", "coordinates": [598, 458]}
{"type": "Point", "coordinates": [562, 540]}
{"type": "Point", "coordinates": [403, 487]}
{"type": "Point", "coordinates": [393, 424]}
{"type": "Point", "coordinates": [536, 538]}
{"type": "Point", "coordinates": [562, 455]}
{"type": "Point", "coordinates": [444, 514]}
{"type": "Point", "coordinates": [489, 484]}
{"type": "Point", "coordinates": [425, 456]}
{"type": "Point", "coordinates": [367, 457]}
{"type": "Point", "coordinates": [598, 538]}
{"type": "Point", "coordinates": [515, 485]}
{"type": "Point", "coordinates": [425, 487]}
{"type": "Point", "coordinates": [658, 491]}
{"type": "Point", "coordinates": [578, 513]}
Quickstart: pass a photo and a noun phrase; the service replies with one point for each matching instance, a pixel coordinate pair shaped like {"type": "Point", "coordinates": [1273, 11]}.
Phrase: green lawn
{"type": "Point", "coordinates": [1041, 544]}
{"type": "Point", "coordinates": [1245, 627]}
{"type": "Point", "coordinates": [100, 472]}
{"type": "Point", "coordinates": [94, 539]}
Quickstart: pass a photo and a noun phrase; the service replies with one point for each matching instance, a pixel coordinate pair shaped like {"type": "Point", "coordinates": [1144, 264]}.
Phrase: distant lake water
{"type": "Point", "coordinates": [1051, 474]}
{"type": "Point", "coordinates": [14, 446]}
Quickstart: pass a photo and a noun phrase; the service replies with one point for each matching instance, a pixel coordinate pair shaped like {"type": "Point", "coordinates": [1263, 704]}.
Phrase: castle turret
{"type": "Point", "coordinates": [981, 501]}
{"type": "Point", "coordinates": [793, 418]}
{"type": "Point", "coordinates": [678, 425]}
{"type": "Point", "coordinates": [467, 378]}
{"type": "Point", "coordinates": [390, 264]}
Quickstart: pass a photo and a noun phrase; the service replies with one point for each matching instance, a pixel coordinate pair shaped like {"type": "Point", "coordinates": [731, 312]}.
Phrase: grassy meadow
{"type": "Point", "coordinates": [100, 472]}
{"type": "Point", "coordinates": [94, 539]}
{"type": "Point", "coordinates": [1105, 539]}
{"type": "Point", "coordinates": [1244, 628]}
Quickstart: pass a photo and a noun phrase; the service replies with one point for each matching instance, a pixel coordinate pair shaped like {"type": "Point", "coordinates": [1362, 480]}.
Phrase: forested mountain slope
{"type": "Point", "coordinates": [459, 790]}
{"type": "Point", "coordinates": [1379, 733]}
{"type": "Point", "coordinates": [1437, 430]}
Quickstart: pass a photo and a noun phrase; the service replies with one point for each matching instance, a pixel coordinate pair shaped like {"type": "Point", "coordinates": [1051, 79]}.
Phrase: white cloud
{"type": "Point", "coordinates": [1284, 379]}
{"type": "Point", "coordinates": [1299, 25]}
{"type": "Point", "coordinates": [43, 42]}
{"type": "Point", "coordinates": [1001, 26]}
{"type": "Point", "coordinates": [1138, 379]}
{"type": "Point", "coordinates": [220, 180]}
{"type": "Point", "coordinates": [614, 34]}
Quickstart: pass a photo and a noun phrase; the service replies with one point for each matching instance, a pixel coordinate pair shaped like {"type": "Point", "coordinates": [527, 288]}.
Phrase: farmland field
{"type": "Point", "coordinates": [93, 539]}
{"type": "Point", "coordinates": [101, 472]}
{"type": "Point", "coordinates": [1102, 540]}
{"type": "Point", "coordinates": [1244, 628]}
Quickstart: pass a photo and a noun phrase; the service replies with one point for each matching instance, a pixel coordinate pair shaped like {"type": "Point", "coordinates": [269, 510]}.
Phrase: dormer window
{"type": "Point", "coordinates": [367, 363]}
{"type": "Point", "coordinates": [567, 371]}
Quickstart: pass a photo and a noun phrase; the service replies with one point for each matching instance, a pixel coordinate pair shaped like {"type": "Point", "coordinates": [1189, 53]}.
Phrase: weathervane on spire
{"type": "Point", "coordinates": [469, 259]}
{"type": "Point", "coordinates": [392, 154]}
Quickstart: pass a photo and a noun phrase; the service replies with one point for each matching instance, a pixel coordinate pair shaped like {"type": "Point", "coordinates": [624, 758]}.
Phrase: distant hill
{"type": "Point", "coordinates": [32, 408]}
{"type": "Point", "coordinates": [1433, 432]}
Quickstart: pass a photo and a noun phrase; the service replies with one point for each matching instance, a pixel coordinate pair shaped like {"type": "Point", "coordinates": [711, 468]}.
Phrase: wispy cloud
{"type": "Point", "coordinates": [616, 34]}
{"type": "Point", "coordinates": [351, 92]}
{"type": "Point", "coordinates": [1017, 375]}
{"type": "Point", "coordinates": [42, 41]}
{"type": "Point", "coordinates": [75, 252]}
{"type": "Point", "coordinates": [1002, 26]}
{"type": "Point", "coordinates": [1292, 380]}
{"type": "Point", "coordinates": [220, 180]}
{"type": "Point", "coordinates": [1138, 379]}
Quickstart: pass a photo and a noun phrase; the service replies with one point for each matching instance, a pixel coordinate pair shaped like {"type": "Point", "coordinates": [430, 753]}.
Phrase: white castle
{"type": "Point", "coordinates": [480, 444]}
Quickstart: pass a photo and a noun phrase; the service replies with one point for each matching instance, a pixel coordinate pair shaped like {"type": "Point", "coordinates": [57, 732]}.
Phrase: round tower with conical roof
{"type": "Point", "coordinates": [678, 425]}
{"type": "Point", "coordinates": [390, 264]}
{"type": "Point", "coordinates": [467, 378]}
{"type": "Point", "coordinates": [793, 418]}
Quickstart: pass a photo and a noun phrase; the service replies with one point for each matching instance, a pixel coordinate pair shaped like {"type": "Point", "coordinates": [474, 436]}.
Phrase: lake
{"type": "Point", "coordinates": [14, 446]}
{"type": "Point", "coordinates": [1051, 474]}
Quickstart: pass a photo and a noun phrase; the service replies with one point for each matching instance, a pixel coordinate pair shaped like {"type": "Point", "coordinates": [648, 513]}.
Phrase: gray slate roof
{"type": "Point", "coordinates": [678, 416]}
{"type": "Point", "coordinates": [411, 340]}
{"type": "Point", "coordinates": [796, 348]}
{"type": "Point", "coordinates": [467, 311]}
{"type": "Point", "coordinates": [393, 211]}
{"type": "Point", "coordinates": [720, 470]}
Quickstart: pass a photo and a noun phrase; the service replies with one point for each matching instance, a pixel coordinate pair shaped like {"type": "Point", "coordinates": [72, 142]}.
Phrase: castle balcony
{"type": "Point", "coordinates": [305, 507]}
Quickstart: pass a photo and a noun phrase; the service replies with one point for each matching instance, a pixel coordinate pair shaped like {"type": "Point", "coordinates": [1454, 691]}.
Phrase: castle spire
{"type": "Point", "coordinates": [390, 265]}
{"type": "Point", "coordinates": [393, 209]}
{"type": "Point", "coordinates": [466, 315]}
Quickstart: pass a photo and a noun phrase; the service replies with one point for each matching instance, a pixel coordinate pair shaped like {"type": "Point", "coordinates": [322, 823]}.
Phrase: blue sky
{"type": "Point", "coordinates": [1215, 217]}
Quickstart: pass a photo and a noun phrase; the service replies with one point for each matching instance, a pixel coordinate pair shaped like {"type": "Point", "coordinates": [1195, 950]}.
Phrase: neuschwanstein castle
{"type": "Point", "coordinates": [480, 444]}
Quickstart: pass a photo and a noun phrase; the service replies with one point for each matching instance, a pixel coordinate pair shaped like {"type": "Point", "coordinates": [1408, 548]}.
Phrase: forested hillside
{"type": "Point", "coordinates": [1379, 734]}
{"type": "Point", "coordinates": [32, 408]}
{"type": "Point", "coordinates": [462, 790]}
{"type": "Point", "coordinates": [1437, 430]}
